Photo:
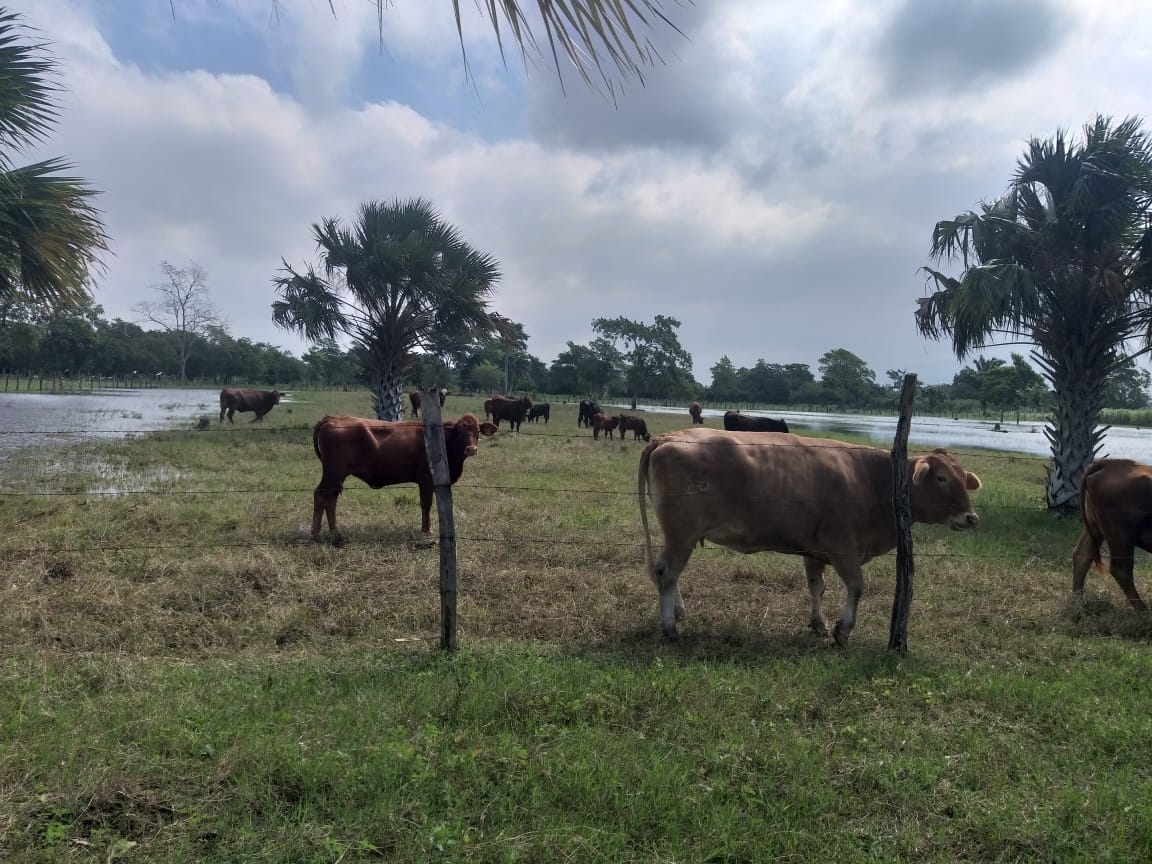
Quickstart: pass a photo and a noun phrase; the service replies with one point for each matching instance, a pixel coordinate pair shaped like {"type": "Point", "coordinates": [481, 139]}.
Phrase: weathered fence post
{"type": "Point", "coordinates": [442, 484]}
{"type": "Point", "coordinates": [905, 566]}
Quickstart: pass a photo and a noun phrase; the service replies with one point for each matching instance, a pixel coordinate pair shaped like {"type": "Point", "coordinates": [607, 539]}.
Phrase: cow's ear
{"type": "Point", "coordinates": [487, 428]}
{"type": "Point", "coordinates": [971, 481]}
{"type": "Point", "coordinates": [918, 471]}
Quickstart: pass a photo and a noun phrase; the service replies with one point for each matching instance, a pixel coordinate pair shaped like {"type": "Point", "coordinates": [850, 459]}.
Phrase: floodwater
{"type": "Point", "coordinates": [1025, 437]}
{"type": "Point", "coordinates": [47, 420]}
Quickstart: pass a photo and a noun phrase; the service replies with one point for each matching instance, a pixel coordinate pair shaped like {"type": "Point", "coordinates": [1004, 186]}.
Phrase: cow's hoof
{"type": "Point", "coordinates": [818, 627]}
{"type": "Point", "coordinates": [840, 634]}
{"type": "Point", "coordinates": [672, 633]}
{"type": "Point", "coordinates": [338, 541]}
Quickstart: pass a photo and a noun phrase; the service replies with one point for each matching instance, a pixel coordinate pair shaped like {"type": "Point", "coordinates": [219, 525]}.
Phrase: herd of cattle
{"type": "Point", "coordinates": [749, 487]}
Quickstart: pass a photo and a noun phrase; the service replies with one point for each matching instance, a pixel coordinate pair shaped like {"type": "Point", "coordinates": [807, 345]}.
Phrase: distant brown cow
{"type": "Point", "coordinates": [600, 423]}
{"type": "Point", "coordinates": [828, 501]}
{"type": "Point", "coordinates": [513, 410]}
{"type": "Point", "coordinates": [696, 412]}
{"type": "Point", "coordinates": [1116, 508]}
{"type": "Point", "coordinates": [636, 425]}
{"type": "Point", "coordinates": [384, 454]}
{"type": "Point", "coordinates": [235, 399]}
{"type": "Point", "coordinates": [417, 399]}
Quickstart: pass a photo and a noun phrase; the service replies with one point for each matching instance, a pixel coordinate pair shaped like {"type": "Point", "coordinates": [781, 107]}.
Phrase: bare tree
{"type": "Point", "coordinates": [184, 308]}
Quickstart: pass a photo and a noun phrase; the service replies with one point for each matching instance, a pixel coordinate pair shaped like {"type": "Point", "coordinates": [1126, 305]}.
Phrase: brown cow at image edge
{"type": "Point", "coordinates": [1116, 508]}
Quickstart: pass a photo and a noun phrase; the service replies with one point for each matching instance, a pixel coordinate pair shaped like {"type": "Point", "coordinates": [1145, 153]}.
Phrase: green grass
{"type": "Point", "coordinates": [186, 677]}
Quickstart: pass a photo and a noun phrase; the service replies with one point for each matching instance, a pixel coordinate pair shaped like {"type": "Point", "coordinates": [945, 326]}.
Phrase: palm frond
{"type": "Point", "coordinates": [51, 234]}
{"type": "Point", "coordinates": [27, 109]}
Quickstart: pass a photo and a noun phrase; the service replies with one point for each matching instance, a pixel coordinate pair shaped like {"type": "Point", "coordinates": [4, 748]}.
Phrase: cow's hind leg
{"type": "Point", "coordinates": [1084, 555]}
{"type": "Point", "coordinates": [853, 578]}
{"type": "Point", "coordinates": [1121, 559]}
{"type": "Point", "coordinates": [814, 570]}
{"type": "Point", "coordinates": [667, 569]}
{"type": "Point", "coordinates": [324, 502]}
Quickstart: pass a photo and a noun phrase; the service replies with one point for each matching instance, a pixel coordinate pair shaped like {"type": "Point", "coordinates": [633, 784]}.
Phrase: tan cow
{"type": "Point", "coordinates": [828, 501]}
{"type": "Point", "coordinates": [238, 400]}
{"type": "Point", "coordinates": [1116, 508]}
{"type": "Point", "coordinates": [601, 423]}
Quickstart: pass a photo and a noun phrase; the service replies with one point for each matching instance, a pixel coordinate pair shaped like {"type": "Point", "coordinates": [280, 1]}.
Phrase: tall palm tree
{"type": "Point", "coordinates": [398, 281]}
{"type": "Point", "coordinates": [51, 235]}
{"type": "Point", "coordinates": [1063, 260]}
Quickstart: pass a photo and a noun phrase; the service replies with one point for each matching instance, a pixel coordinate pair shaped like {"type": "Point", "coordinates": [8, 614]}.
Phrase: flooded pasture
{"type": "Point", "coordinates": [959, 434]}
{"type": "Point", "coordinates": [37, 429]}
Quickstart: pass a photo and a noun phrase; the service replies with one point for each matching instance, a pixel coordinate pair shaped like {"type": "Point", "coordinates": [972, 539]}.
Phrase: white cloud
{"type": "Point", "coordinates": [762, 187]}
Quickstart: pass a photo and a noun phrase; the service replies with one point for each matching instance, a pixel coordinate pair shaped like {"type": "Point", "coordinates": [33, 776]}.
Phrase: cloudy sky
{"type": "Point", "coordinates": [773, 185]}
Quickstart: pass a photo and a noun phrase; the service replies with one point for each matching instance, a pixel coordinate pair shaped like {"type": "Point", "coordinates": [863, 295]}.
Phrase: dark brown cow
{"type": "Point", "coordinates": [636, 425]}
{"type": "Point", "coordinates": [488, 405]}
{"type": "Point", "coordinates": [237, 399]}
{"type": "Point", "coordinates": [828, 501]}
{"type": "Point", "coordinates": [1116, 508]}
{"type": "Point", "coordinates": [588, 410]}
{"type": "Point", "coordinates": [383, 454]}
{"type": "Point", "coordinates": [600, 423]}
{"type": "Point", "coordinates": [696, 412]}
{"type": "Point", "coordinates": [512, 410]}
{"type": "Point", "coordinates": [734, 421]}
{"type": "Point", "coordinates": [417, 399]}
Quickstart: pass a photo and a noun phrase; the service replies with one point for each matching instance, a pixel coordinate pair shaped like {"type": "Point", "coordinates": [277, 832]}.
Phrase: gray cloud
{"type": "Point", "coordinates": [953, 48]}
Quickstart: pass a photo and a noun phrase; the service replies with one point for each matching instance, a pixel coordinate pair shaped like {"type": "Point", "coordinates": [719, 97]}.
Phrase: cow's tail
{"type": "Point", "coordinates": [1089, 516]}
{"type": "Point", "coordinates": [642, 492]}
{"type": "Point", "coordinates": [223, 405]}
{"type": "Point", "coordinates": [320, 424]}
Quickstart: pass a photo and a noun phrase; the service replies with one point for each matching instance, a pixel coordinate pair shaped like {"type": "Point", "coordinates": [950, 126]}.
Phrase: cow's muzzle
{"type": "Point", "coordinates": [963, 521]}
{"type": "Point", "coordinates": [470, 450]}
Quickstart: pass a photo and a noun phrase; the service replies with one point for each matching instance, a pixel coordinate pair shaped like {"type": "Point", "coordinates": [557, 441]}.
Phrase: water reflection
{"type": "Point", "coordinates": [926, 431]}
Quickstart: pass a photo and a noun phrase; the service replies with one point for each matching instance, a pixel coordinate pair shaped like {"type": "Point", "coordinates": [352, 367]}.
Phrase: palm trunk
{"type": "Point", "coordinates": [1077, 376]}
{"type": "Point", "coordinates": [387, 393]}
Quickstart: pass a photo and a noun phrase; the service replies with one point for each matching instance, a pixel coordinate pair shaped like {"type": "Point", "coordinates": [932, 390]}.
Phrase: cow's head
{"type": "Point", "coordinates": [939, 491]}
{"type": "Point", "coordinates": [468, 431]}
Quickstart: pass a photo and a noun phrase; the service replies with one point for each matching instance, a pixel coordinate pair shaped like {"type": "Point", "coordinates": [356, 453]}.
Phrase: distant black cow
{"type": "Point", "coordinates": [512, 410]}
{"type": "Point", "coordinates": [235, 399]}
{"type": "Point", "coordinates": [588, 410]}
{"type": "Point", "coordinates": [537, 411]}
{"type": "Point", "coordinates": [734, 421]}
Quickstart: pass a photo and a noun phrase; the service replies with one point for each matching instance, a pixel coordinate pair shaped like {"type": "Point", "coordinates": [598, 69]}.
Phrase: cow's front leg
{"type": "Point", "coordinates": [814, 570]}
{"type": "Point", "coordinates": [426, 496]}
{"type": "Point", "coordinates": [853, 578]}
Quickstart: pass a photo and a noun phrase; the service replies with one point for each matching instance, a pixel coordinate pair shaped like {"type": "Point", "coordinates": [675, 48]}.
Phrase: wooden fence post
{"type": "Point", "coordinates": [442, 484]}
{"type": "Point", "coordinates": [905, 566]}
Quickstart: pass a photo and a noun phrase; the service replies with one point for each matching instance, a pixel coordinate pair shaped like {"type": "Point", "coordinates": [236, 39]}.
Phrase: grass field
{"type": "Point", "coordinates": [186, 676]}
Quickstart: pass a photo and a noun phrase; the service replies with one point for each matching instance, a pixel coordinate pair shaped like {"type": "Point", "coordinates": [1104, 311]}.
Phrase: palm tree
{"type": "Point", "coordinates": [1062, 260]}
{"type": "Point", "coordinates": [50, 233]}
{"type": "Point", "coordinates": [399, 281]}
{"type": "Point", "coordinates": [592, 35]}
